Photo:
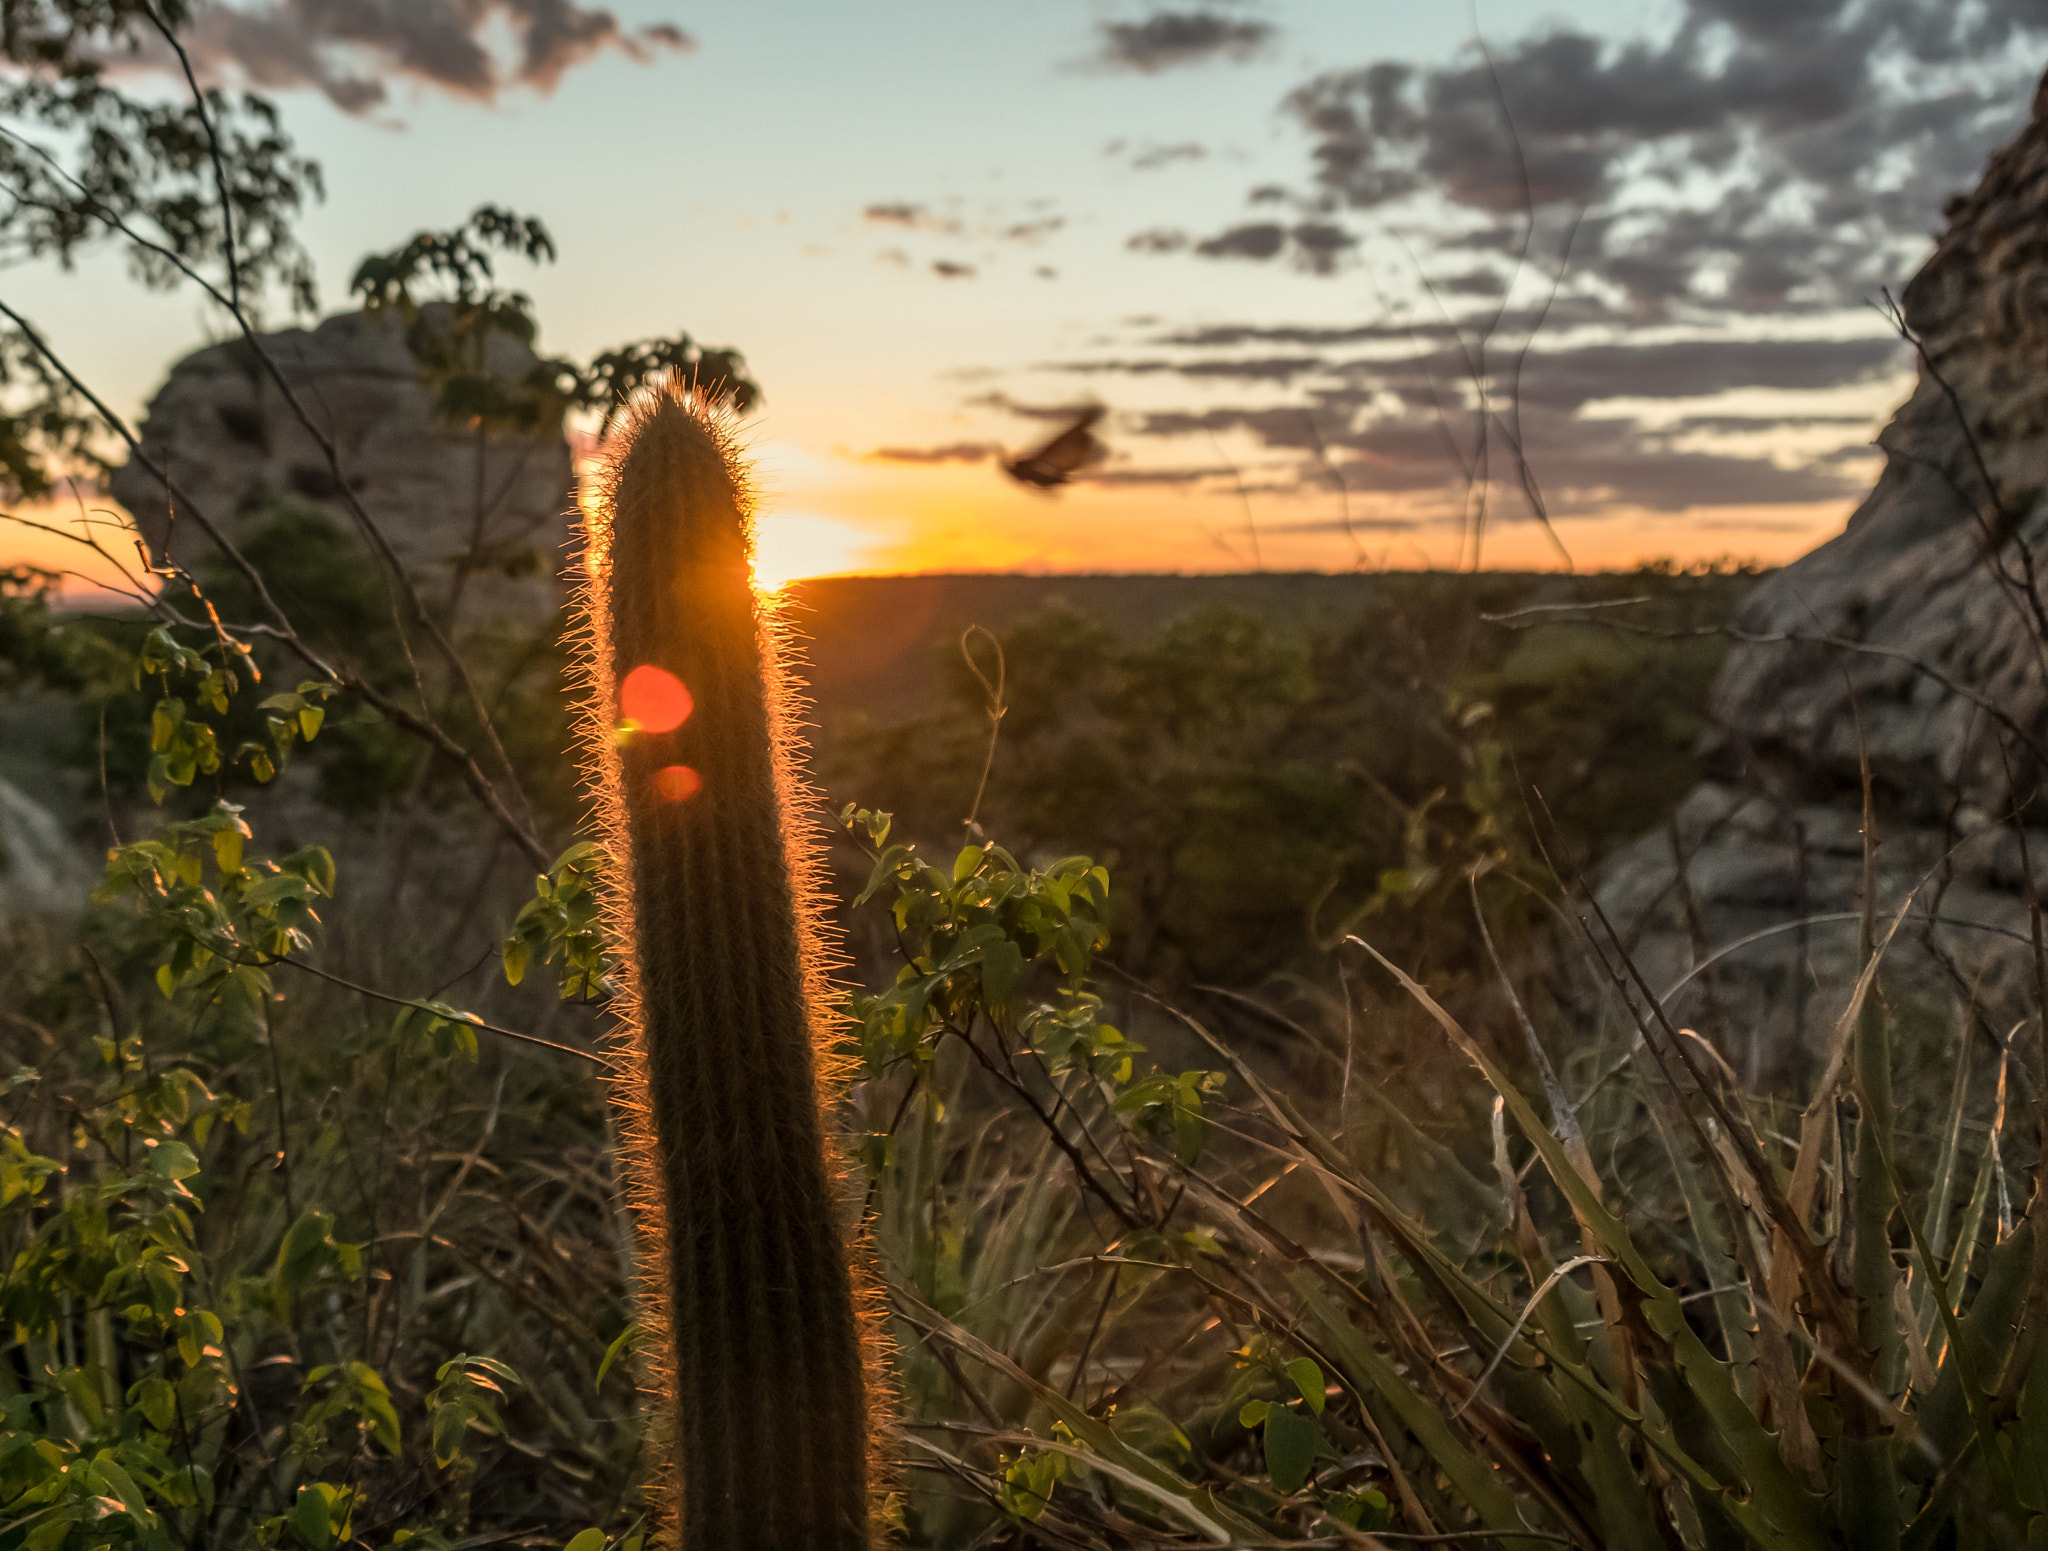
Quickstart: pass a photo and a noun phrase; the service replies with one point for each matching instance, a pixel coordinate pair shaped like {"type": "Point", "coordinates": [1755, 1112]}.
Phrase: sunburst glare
{"type": "Point", "coordinates": [794, 545]}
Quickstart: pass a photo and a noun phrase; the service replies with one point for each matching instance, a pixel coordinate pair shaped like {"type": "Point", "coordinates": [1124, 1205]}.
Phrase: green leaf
{"type": "Point", "coordinates": [1002, 974]}
{"type": "Point", "coordinates": [51, 1533]}
{"type": "Point", "coordinates": [311, 1519]}
{"type": "Point", "coordinates": [516, 956]}
{"type": "Point", "coordinates": [1308, 1378]}
{"type": "Point", "coordinates": [450, 1423]}
{"type": "Point", "coordinates": [268, 893]}
{"type": "Point", "coordinates": [489, 1365]}
{"type": "Point", "coordinates": [316, 865]}
{"type": "Point", "coordinates": [1291, 1443]}
{"type": "Point", "coordinates": [628, 1340]}
{"type": "Point", "coordinates": [965, 863]}
{"type": "Point", "coordinates": [157, 1401]}
{"type": "Point", "coordinates": [374, 1402]}
{"type": "Point", "coordinates": [587, 1540]}
{"type": "Point", "coordinates": [170, 1159]}
{"type": "Point", "coordinates": [1368, 1510]}
{"type": "Point", "coordinates": [164, 722]}
{"type": "Point", "coordinates": [104, 1474]}
{"type": "Point", "coordinates": [304, 1250]}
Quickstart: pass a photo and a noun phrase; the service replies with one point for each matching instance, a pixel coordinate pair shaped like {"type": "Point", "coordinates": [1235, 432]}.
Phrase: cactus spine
{"type": "Point", "coordinates": [759, 1343]}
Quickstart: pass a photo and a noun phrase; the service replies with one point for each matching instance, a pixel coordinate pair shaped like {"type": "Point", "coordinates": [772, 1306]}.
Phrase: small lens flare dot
{"type": "Point", "coordinates": [654, 700]}
{"type": "Point", "coordinates": [677, 783]}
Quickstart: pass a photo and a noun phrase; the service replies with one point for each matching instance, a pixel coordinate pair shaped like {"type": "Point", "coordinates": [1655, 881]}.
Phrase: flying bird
{"type": "Point", "coordinates": [1064, 456]}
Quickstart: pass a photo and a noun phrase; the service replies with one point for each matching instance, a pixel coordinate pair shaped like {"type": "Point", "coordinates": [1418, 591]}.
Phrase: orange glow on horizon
{"type": "Point", "coordinates": [921, 519]}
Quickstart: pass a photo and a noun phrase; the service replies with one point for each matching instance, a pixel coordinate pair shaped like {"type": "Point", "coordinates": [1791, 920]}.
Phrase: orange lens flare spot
{"type": "Point", "coordinates": [654, 700]}
{"type": "Point", "coordinates": [677, 783]}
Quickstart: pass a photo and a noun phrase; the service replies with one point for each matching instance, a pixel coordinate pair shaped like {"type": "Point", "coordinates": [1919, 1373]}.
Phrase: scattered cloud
{"type": "Point", "coordinates": [1002, 402]}
{"type": "Point", "coordinates": [952, 452]}
{"type": "Point", "coordinates": [1738, 424]}
{"type": "Point", "coordinates": [1281, 369]}
{"type": "Point", "coordinates": [1169, 40]}
{"type": "Point", "coordinates": [1564, 379]}
{"type": "Point", "coordinates": [1253, 240]}
{"type": "Point", "coordinates": [1409, 423]}
{"type": "Point", "coordinates": [1567, 312]}
{"type": "Point", "coordinates": [1035, 230]}
{"type": "Point", "coordinates": [1583, 465]}
{"type": "Point", "coordinates": [1114, 478]}
{"type": "Point", "coordinates": [1751, 160]}
{"type": "Point", "coordinates": [1316, 246]}
{"type": "Point", "coordinates": [911, 217]}
{"type": "Point", "coordinates": [1158, 240]}
{"type": "Point", "coordinates": [1038, 223]}
{"type": "Point", "coordinates": [1472, 282]}
{"type": "Point", "coordinates": [351, 50]}
{"type": "Point", "coordinates": [1150, 156]}
{"type": "Point", "coordinates": [1763, 157]}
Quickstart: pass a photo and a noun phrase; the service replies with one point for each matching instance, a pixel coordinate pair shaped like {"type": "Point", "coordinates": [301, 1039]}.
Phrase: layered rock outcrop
{"type": "Point", "coordinates": [1916, 640]}
{"type": "Point", "coordinates": [440, 492]}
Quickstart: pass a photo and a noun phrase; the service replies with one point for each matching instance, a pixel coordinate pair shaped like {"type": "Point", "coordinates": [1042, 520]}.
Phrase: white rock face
{"type": "Point", "coordinates": [42, 873]}
{"type": "Point", "coordinates": [1750, 900]}
{"type": "Point", "coordinates": [232, 444]}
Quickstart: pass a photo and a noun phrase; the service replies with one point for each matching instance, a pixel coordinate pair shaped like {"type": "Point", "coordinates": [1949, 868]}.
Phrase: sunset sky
{"type": "Point", "coordinates": [1268, 237]}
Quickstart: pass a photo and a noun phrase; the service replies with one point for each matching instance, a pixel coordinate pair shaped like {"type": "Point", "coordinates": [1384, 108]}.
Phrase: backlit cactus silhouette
{"type": "Point", "coordinates": [760, 1345]}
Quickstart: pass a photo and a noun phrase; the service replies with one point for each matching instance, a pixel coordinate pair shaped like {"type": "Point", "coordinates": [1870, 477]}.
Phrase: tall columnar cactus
{"type": "Point", "coordinates": [761, 1345]}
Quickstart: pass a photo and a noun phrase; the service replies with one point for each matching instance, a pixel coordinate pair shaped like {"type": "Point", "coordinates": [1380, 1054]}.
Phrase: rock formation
{"type": "Point", "coordinates": [42, 873]}
{"type": "Point", "coordinates": [236, 449]}
{"type": "Point", "coordinates": [1916, 640]}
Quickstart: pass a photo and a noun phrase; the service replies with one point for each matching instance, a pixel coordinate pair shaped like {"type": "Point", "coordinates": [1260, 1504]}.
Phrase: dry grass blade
{"type": "Point", "coordinates": [1815, 1122]}
{"type": "Point", "coordinates": [1577, 1262]}
{"type": "Point", "coordinates": [1780, 1510]}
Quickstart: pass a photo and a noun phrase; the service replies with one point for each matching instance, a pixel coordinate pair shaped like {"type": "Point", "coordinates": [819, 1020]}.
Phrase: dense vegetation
{"type": "Point", "coordinates": [1260, 787]}
{"type": "Point", "coordinates": [294, 1263]}
{"type": "Point", "coordinates": [1260, 1140]}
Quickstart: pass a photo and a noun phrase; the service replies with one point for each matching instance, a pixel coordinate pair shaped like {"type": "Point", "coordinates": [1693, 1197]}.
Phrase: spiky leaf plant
{"type": "Point", "coordinates": [758, 1348]}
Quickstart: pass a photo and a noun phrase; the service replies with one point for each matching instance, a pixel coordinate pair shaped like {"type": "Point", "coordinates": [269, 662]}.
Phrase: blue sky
{"type": "Point", "coordinates": [788, 183]}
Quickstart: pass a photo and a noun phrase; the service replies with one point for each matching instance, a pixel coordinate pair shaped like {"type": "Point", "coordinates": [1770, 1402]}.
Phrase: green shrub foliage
{"type": "Point", "coordinates": [247, 1268]}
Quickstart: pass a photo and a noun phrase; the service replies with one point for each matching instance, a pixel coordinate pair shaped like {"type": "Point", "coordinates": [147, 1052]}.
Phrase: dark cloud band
{"type": "Point", "coordinates": [1167, 40]}
{"type": "Point", "coordinates": [351, 49]}
{"type": "Point", "coordinates": [1765, 156]}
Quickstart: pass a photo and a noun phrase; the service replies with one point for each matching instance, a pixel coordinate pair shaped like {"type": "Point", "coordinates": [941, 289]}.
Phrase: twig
{"type": "Point", "coordinates": [997, 709]}
{"type": "Point", "coordinates": [469, 1018]}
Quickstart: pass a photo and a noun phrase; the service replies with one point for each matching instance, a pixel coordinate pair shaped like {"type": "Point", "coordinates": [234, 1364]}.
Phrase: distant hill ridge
{"type": "Point", "coordinates": [876, 643]}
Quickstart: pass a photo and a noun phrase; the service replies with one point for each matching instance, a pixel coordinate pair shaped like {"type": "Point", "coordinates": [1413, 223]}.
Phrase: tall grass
{"type": "Point", "coordinates": [1618, 1303]}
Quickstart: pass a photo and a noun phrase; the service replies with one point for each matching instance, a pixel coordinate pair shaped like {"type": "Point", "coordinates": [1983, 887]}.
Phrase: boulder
{"type": "Point", "coordinates": [225, 433]}
{"type": "Point", "coordinates": [1916, 640]}
{"type": "Point", "coordinates": [1929, 593]}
